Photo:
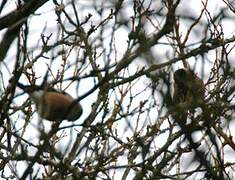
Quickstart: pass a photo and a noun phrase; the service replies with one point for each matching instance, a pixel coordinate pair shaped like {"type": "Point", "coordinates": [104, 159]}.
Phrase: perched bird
{"type": "Point", "coordinates": [53, 105]}
{"type": "Point", "coordinates": [188, 87]}
{"type": "Point", "coordinates": [189, 90]}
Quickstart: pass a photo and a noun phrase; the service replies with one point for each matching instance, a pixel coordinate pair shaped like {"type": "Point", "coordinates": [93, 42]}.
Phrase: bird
{"type": "Point", "coordinates": [189, 91]}
{"type": "Point", "coordinates": [188, 87]}
{"type": "Point", "coordinates": [51, 104]}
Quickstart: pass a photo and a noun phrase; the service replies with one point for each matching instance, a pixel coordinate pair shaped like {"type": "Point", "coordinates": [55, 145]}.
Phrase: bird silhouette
{"type": "Point", "coordinates": [189, 92]}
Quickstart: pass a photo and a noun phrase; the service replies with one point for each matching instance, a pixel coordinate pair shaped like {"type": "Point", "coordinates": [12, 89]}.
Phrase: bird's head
{"type": "Point", "coordinates": [181, 75]}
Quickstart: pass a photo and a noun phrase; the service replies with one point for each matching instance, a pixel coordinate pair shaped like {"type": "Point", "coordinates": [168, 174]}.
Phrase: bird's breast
{"type": "Point", "coordinates": [55, 106]}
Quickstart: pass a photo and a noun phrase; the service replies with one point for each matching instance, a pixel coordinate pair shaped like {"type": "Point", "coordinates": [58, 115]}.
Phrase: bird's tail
{"type": "Point", "coordinates": [21, 86]}
{"type": "Point", "coordinates": [27, 88]}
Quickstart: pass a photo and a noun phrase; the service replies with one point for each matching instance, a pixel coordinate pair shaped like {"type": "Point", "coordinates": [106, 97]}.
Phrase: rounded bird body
{"type": "Point", "coordinates": [189, 92]}
{"type": "Point", "coordinates": [53, 105]}
{"type": "Point", "coordinates": [188, 87]}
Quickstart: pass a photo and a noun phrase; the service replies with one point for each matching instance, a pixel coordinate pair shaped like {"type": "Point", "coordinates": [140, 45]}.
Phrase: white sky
{"type": "Point", "coordinates": [47, 18]}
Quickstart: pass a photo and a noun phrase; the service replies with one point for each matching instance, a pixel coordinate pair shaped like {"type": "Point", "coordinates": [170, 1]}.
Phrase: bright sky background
{"type": "Point", "coordinates": [47, 18]}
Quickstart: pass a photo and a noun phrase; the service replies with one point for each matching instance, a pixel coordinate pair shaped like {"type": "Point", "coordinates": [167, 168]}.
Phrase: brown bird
{"type": "Point", "coordinates": [189, 90]}
{"type": "Point", "coordinates": [53, 105]}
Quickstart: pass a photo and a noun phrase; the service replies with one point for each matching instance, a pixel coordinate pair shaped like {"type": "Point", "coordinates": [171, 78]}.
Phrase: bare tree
{"type": "Point", "coordinates": [155, 80]}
